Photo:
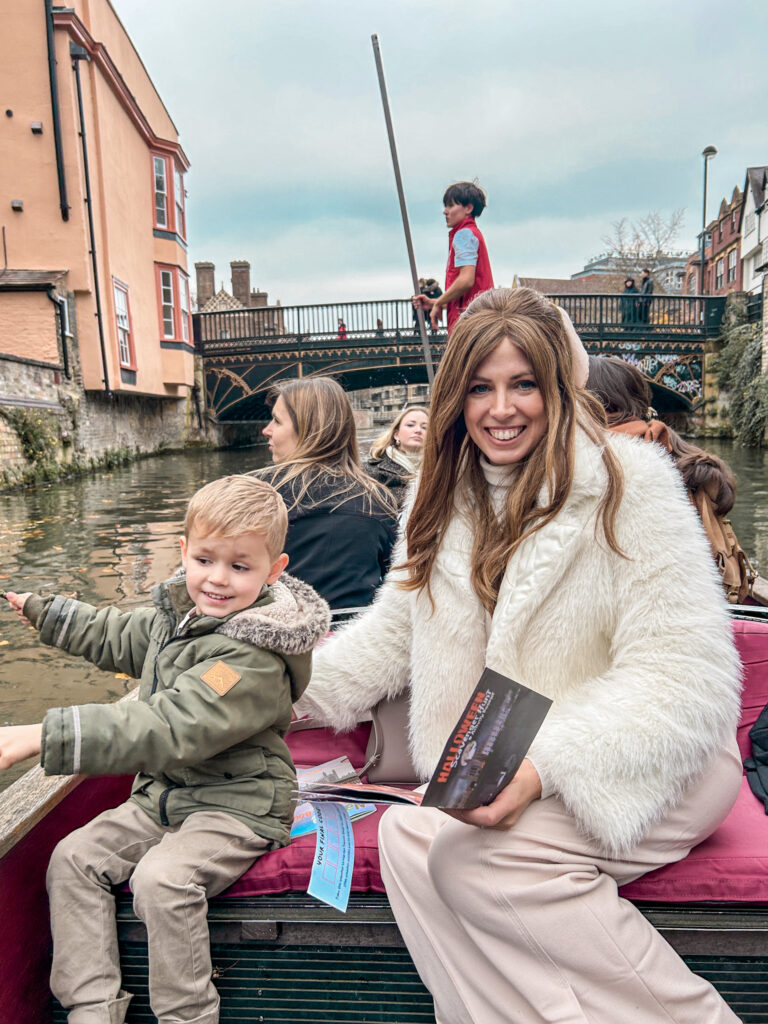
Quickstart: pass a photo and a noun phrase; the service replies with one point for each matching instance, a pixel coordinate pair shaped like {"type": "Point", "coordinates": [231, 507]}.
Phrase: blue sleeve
{"type": "Point", "coordinates": [465, 248]}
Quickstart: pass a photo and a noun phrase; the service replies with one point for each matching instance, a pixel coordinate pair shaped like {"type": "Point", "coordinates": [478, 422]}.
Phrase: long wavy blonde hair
{"type": "Point", "coordinates": [326, 449]}
{"type": "Point", "coordinates": [451, 459]}
{"type": "Point", "coordinates": [383, 441]}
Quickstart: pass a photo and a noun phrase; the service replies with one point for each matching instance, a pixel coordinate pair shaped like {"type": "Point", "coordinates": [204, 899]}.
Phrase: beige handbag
{"type": "Point", "coordinates": [388, 758]}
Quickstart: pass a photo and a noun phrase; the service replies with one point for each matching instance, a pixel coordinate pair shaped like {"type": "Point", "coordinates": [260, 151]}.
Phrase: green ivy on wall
{"type": "Point", "coordinates": [39, 433]}
{"type": "Point", "coordinates": [739, 373]}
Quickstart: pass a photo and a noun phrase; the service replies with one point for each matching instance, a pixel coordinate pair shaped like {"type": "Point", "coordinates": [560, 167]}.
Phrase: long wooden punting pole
{"type": "Point", "coordinates": [403, 210]}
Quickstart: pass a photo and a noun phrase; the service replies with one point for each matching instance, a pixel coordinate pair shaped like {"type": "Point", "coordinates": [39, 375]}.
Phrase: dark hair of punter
{"type": "Point", "coordinates": [466, 193]}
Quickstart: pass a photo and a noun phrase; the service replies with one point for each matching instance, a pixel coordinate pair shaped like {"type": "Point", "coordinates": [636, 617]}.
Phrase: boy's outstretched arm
{"type": "Point", "coordinates": [18, 742]}
{"type": "Point", "coordinates": [113, 640]}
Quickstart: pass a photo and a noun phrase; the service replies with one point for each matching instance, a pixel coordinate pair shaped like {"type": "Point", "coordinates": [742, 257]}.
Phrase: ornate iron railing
{"type": "Point", "coordinates": [598, 318]}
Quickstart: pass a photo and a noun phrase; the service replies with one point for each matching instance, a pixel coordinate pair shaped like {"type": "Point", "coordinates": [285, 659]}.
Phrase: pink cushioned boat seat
{"type": "Point", "coordinates": [730, 866]}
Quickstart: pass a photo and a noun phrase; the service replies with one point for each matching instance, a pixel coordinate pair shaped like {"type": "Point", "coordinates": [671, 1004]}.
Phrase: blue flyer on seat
{"type": "Point", "coordinates": [331, 878]}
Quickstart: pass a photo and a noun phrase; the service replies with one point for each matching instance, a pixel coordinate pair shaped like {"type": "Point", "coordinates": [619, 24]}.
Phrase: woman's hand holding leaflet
{"type": "Point", "coordinates": [505, 810]}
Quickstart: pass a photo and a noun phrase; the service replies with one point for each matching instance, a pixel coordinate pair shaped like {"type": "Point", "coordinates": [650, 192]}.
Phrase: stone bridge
{"type": "Point", "coordinates": [375, 344]}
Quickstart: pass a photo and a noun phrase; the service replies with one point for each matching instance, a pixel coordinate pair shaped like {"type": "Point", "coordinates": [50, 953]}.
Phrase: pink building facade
{"type": "Point", "coordinates": [93, 285]}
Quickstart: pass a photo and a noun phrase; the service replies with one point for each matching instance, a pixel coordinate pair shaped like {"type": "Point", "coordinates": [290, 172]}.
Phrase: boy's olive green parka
{"type": "Point", "coordinates": [215, 696]}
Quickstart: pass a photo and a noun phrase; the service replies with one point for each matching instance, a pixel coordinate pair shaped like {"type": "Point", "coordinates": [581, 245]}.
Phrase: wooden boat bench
{"type": "Point", "coordinates": [280, 956]}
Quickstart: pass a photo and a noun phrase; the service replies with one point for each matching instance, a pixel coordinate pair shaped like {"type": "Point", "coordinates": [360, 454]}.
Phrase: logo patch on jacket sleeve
{"type": "Point", "coordinates": [221, 678]}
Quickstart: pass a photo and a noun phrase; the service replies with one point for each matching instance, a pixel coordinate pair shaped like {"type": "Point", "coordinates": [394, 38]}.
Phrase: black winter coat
{"type": "Point", "coordinates": [391, 475]}
{"type": "Point", "coordinates": [334, 543]}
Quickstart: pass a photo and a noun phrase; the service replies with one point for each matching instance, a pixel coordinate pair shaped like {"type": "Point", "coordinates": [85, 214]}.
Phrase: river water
{"type": "Point", "coordinates": [106, 539]}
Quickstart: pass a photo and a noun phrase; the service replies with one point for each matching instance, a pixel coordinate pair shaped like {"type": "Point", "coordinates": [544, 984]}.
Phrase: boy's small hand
{"type": "Point", "coordinates": [17, 601]}
{"type": "Point", "coordinates": [18, 742]}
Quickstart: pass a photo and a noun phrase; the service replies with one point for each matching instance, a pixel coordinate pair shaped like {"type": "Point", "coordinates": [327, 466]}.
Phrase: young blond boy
{"type": "Point", "coordinates": [222, 656]}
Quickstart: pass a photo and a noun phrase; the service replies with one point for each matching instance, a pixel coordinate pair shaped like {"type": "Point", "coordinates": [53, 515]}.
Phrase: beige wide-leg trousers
{"type": "Point", "coordinates": [173, 872]}
{"type": "Point", "coordinates": [525, 925]}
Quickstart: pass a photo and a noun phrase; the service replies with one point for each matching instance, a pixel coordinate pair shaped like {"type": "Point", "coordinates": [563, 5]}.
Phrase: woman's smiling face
{"type": "Point", "coordinates": [504, 408]}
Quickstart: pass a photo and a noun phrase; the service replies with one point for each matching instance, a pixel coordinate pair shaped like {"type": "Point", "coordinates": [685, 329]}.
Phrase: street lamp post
{"type": "Point", "coordinates": [707, 153]}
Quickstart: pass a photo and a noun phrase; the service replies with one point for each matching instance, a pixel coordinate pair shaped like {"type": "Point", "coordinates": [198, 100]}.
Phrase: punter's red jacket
{"type": "Point", "coordinates": [483, 275]}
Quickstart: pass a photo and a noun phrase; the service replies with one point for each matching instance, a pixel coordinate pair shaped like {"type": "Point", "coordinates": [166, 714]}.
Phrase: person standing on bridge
{"type": "Point", "coordinates": [646, 293]}
{"type": "Point", "coordinates": [468, 271]}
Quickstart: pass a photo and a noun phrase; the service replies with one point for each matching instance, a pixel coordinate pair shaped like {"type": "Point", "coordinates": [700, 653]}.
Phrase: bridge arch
{"type": "Point", "coordinates": [376, 347]}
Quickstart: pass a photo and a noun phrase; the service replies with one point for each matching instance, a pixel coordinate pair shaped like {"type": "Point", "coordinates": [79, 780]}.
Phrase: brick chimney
{"type": "Point", "coordinates": [206, 282]}
{"type": "Point", "coordinates": [241, 281]}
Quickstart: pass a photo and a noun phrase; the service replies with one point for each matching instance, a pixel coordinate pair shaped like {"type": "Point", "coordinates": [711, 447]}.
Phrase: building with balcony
{"type": "Point", "coordinates": [94, 292]}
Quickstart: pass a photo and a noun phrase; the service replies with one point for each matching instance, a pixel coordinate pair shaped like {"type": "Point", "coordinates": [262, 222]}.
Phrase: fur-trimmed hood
{"type": "Point", "coordinates": [288, 617]}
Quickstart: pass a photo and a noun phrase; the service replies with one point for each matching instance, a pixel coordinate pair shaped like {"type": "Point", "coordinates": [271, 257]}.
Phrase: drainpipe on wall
{"type": "Point", "coordinates": [196, 397]}
{"type": "Point", "coordinates": [55, 114]}
{"type": "Point", "coordinates": [77, 53]}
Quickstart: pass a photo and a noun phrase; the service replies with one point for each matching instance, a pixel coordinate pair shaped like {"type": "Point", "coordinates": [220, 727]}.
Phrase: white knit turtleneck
{"type": "Point", "coordinates": [499, 479]}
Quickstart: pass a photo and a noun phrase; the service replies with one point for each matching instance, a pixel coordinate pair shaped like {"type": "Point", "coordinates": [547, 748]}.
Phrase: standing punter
{"type": "Point", "coordinates": [468, 271]}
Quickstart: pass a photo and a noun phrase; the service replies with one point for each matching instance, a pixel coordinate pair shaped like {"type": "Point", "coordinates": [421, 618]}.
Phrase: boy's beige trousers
{"type": "Point", "coordinates": [173, 872]}
{"type": "Point", "coordinates": [525, 925]}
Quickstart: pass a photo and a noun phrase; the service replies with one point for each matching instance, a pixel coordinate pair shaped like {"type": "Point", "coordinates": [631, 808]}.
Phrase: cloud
{"type": "Point", "coordinates": [571, 115]}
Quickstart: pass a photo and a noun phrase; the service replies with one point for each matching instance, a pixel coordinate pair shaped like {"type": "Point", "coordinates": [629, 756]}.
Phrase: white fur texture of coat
{"type": "Point", "coordinates": [635, 652]}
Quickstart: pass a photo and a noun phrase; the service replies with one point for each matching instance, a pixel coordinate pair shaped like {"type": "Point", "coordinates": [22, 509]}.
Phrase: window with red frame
{"type": "Point", "coordinates": [173, 304]}
{"type": "Point", "coordinates": [160, 171]}
{"type": "Point", "coordinates": [123, 321]}
{"type": "Point", "coordinates": [169, 205]}
{"type": "Point", "coordinates": [167, 303]}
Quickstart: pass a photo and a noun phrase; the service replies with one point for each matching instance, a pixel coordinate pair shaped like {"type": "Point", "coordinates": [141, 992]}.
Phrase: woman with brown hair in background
{"type": "Point", "coordinates": [625, 395]}
{"type": "Point", "coordinates": [341, 523]}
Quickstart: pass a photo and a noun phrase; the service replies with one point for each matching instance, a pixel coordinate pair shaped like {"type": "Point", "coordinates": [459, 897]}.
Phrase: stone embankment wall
{"type": "Point", "coordinates": [50, 426]}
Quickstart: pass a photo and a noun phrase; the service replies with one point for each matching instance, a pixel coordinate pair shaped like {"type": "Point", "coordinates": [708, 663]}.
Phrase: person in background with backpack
{"type": "Point", "coordinates": [711, 486]}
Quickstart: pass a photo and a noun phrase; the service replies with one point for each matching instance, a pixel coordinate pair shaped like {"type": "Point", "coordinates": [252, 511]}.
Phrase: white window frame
{"type": "Point", "coordinates": [166, 289]}
{"type": "Point", "coordinates": [178, 197]}
{"type": "Point", "coordinates": [720, 272]}
{"type": "Point", "coordinates": [159, 164]}
{"type": "Point", "coordinates": [732, 261]}
{"type": "Point", "coordinates": [184, 306]}
{"type": "Point", "coordinates": [123, 324]}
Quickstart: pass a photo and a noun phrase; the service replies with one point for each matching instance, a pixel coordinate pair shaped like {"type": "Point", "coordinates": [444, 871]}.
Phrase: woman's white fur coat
{"type": "Point", "coordinates": [635, 652]}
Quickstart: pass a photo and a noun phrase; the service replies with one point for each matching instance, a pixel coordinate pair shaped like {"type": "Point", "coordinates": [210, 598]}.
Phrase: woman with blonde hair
{"type": "Point", "coordinates": [566, 558]}
{"type": "Point", "coordinates": [395, 455]}
{"type": "Point", "coordinates": [341, 524]}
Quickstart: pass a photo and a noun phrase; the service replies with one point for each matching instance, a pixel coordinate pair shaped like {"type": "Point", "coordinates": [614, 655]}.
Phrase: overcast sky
{"type": "Point", "coordinates": [571, 115]}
